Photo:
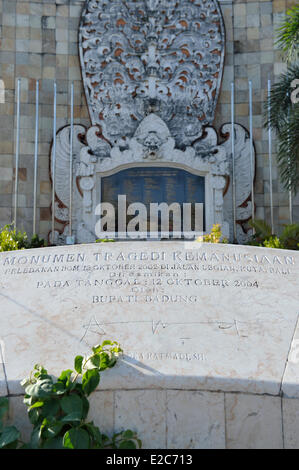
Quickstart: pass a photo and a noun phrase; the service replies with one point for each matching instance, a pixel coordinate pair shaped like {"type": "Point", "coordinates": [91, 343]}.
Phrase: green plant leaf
{"type": "Point", "coordinates": [95, 434]}
{"type": "Point", "coordinates": [75, 416]}
{"type": "Point", "coordinates": [76, 438]}
{"type": "Point", "coordinates": [65, 377]}
{"type": "Point", "coordinates": [59, 388]}
{"type": "Point", "coordinates": [9, 435]}
{"type": "Point", "coordinates": [37, 404]}
{"type": "Point", "coordinates": [34, 416]}
{"type": "Point", "coordinates": [53, 443]}
{"type": "Point", "coordinates": [51, 407]}
{"type": "Point", "coordinates": [35, 437]}
{"type": "Point", "coordinates": [90, 381]}
{"type": "Point", "coordinates": [40, 370]}
{"type": "Point", "coordinates": [42, 388]}
{"type": "Point", "coordinates": [71, 404]}
{"type": "Point", "coordinates": [128, 434]}
{"type": "Point", "coordinates": [96, 360]}
{"type": "Point", "coordinates": [85, 410]}
{"type": "Point", "coordinates": [52, 428]}
{"type": "Point", "coordinates": [78, 364]}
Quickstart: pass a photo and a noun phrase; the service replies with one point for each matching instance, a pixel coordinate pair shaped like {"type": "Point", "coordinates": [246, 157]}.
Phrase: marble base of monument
{"type": "Point", "coordinates": [209, 333]}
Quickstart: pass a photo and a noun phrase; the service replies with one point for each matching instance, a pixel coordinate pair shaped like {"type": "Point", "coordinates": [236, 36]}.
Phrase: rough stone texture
{"type": "Point", "coordinates": [195, 420]}
{"type": "Point", "coordinates": [187, 419]}
{"type": "Point", "coordinates": [253, 422]}
{"type": "Point", "coordinates": [3, 386]}
{"type": "Point", "coordinates": [39, 40]}
{"type": "Point", "coordinates": [101, 411]}
{"type": "Point", "coordinates": [144, 411]}
{"type": "Point", "coordinates": [18, 417]}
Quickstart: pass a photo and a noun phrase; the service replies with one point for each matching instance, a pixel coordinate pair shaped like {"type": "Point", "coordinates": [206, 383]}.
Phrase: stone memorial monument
{"type": "Point", "coordinates": [209, 332]}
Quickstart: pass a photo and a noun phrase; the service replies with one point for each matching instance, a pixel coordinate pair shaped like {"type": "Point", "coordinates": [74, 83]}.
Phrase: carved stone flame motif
{"type": "Point", "coordinates": [146, 56]}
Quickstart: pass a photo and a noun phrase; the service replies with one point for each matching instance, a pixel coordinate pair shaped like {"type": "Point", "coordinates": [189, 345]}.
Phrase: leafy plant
{"type": "Point", "coordinates": [11, 240]}
{"type": "Point", "coordinates": [36, 242]}
{"type": "Point", "coordinates": [262, 230]}
{"type": "Point", "coordinates": [105, 240]}
{"type": "Point", "coordinates": [272, 242]}
{"type": "Point", "coordinates": [9, 435]}
{"type": "Point", "coordinates": [284, 120]}
{"type": "Point", "coordinates": [288, 34]}
{"type": "Point", "coordinates": [284, 117]}
{"type": "Point", "coordinates": [214, 237]}
{"type": "Point", "coordinates": [289, 238]}
{"type": "Point", "coordinates": [58, 409]}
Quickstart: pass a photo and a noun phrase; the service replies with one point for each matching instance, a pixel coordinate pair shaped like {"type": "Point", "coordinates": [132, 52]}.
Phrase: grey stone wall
{"type": "Point", "coordinates": [39, 40]}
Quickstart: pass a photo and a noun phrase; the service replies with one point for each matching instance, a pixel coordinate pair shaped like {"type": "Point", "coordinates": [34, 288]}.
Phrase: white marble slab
{"type": "Point", "coordinates": [195, 420]}
{"type": "Point", "coordinates": [143, 411]}
{"type": "Point", "coordinates": [253, 421]}
{"type": "Point", "coordinates": [189, 316]}
{"type": "Point", "coordinates": [290, 410]}
{"type": "Point", "coordinates": [3, 387]}
{"type": "Point", "coordinates": [101, 411]}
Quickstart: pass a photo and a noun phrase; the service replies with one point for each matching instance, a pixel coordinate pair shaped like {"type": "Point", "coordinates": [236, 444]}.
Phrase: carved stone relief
{"type": "Point", "coordinates": [152, 72]}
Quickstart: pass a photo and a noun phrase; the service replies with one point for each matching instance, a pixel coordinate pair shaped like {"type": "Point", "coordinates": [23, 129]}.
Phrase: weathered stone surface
{"type": "Point", "coordinates": [188, 316]}
{"type": "Point", "coordinates": [290, 380]}
{"type": "Point", "coordinates": [290, 411]}
{"type": "Point", "coordinates": [3, 386]}
{"type": "Point", "coordinates": [18, 417]}
{"type": "Point", "coordinates": [253, 422]}
{"type": "Point", "coordinates": [144, 411]}
{"type": "Point", "coordinates": [195, 420]}
{"type": "Point", "coordinates": [101, 411]}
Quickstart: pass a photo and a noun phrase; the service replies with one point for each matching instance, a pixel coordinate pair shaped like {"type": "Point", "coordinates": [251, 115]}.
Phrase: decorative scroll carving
{"type": "Point", "coordinates": [147, 56]}
{"type": "Point", "coordinates": [244, 178]}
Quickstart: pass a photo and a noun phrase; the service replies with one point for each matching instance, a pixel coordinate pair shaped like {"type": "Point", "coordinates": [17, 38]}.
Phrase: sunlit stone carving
{"type": "Point", "coordinates": [152, 72]}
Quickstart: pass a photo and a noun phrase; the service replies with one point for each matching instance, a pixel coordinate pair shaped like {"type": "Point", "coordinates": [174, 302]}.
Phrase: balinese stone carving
{"type": "Point", "coordinates": [146, 56]}
{"type": "Point", "coordinates": [152, 72]}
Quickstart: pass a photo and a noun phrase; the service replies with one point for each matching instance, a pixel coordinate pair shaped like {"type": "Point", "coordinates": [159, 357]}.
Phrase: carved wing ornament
{"type": "Point", "coordinates": [147, 56]}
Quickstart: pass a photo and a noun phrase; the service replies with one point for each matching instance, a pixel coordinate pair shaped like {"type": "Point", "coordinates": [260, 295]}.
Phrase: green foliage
{"type": "Point", "coordinates": [288, 34]}
{"type": "Point", "coordinates": [273, 242]}
{"type": "Point", "coordinates": [105, 240]}
{"type": "Point", "coordinates": [289, 238]}
{"type": "Point", "coordinates": [284, 117]}
{"type": "Point", "coordinates": [36, 242]}
{"type": "Point", "coordinates": [9, 435]}
{"type": "Point", "coordinates": [284, 120]}
{"type": "Point", "coordinates": [262, 230]}
{"type": "Point", "coordinates": [58, 409]}
{"type": "Point", "coordinates": [214, 237]}
{"type": "Point", "coordinates": [11, 240]}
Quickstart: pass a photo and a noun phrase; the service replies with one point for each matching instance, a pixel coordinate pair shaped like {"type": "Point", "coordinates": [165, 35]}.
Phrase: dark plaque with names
{"type": "Point", "coordinates": [154, 185]}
